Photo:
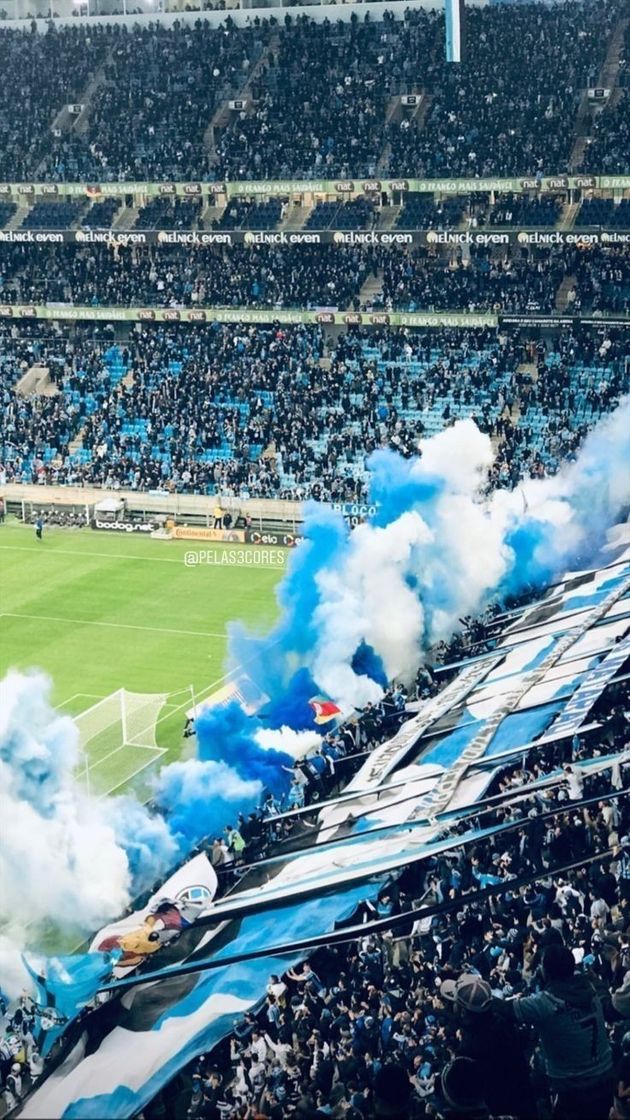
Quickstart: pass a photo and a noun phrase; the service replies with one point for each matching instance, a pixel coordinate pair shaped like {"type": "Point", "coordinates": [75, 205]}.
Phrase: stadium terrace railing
{"type": "Point", "coordinates": [427, 320]}
{"type": "Point", "coordinates": [334, 188]}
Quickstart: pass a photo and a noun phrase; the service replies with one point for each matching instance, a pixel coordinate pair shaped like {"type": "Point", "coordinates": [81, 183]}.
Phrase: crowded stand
{"type": "Point", "coordinates": [261, 276]}
{"type": "Point", "coordinates": [169, 213]}
{"type": "Point", "coordinates": [154, 92]}
{"type": "Point", "coordinates": [280, 411]}
{"type": "Point", "coordinates": [602, 281]}
{"type": "Point", "coordinates": [524, 281]}
{"type": "Point", "coordinates": [485, 973]}
{"type": "Point", "coordinates": [159, 90]}
{"type": "Point", "coordinates": [444, 1016]}
{"type": "Point", "coordinates": [607, 147]}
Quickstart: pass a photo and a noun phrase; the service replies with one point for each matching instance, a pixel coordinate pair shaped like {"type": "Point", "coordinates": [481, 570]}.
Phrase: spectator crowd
{"type": "Point", "coordinates": [154, 100]}
{"type": "Point", "coordinates": [284, 411]}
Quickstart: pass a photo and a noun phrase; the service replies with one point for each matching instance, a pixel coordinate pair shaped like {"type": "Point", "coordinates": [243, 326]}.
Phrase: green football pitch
{"type": "Point", "coordinates": [100, 611]}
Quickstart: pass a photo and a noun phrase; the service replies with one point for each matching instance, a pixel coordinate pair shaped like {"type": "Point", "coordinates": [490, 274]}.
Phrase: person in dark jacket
{"type": "Point", "coordinates": [569, 1018]}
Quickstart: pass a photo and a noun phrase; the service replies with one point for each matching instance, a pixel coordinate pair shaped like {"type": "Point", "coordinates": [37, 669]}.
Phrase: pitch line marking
{"type": "Point", "coordinates": [157, 559]}
{"type": "Point", "coordinates": [115, 626]}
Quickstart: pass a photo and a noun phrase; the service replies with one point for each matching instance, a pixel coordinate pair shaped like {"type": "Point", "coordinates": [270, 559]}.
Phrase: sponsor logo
{"type": "Point", "coordinates": [558, 182]}
{"type": "Point", "coordinates": [346, 186]}
{"type": "Point", "coordinates": [325, 317]}
{"type": "Point", "coordinates": [197, 316]}
{"type": "Point", "coordinates": [49, 188]}
{"type": "Point", "coordinates": [557, 237]}
{"type": "Point", "coordinates": [125, 526]}
{"type": "Point", "coordinates": [352, 318]}
{"type": "Point", "coordinates": [5, 188]}
{"type": "Point", "coordinates": [399, 185]}
{"type": "Point", "coordinates": [530, 184]}
{"type": "Point", "coordinates": [615, 237]}
{"type": "Point", "coordinates": [170, 315]}
{"type": "Point", "coordinates": [371, 237]}
{"type": "Point", "coordinates": [31, 236]}
{"type": "Point", "coordinates": [285, 540]}
{"type": "Point", "coordinates": [192, 188]}
{"type": "Point", "coordinates": [166, 188]}
{"type": "Point", "coordinates": [146, 314]}
{"type": "Point", "coordinates": [585, 181]}
{"type": "Point", "coordinates": [190, 533]}
{"type": "Point", "coordinates": [110, 237]}
{"type": "Point", "coordinates": [192, 237]}
{"type": "Point", "coordinates": [196, 895]}
{"type": "Point", "coordinates": [28, 312]}
{"type": "Point", "coordinates": [452, 237]}
{"type": "Point", "coordinates": [281, 237]}
{"type": "Point", "coordinates": [380, 318]}
{"type": "Point", "coordinates": [5, 311]}
{"type": "Point", "coordinates": [371, 186]}
{"type": "Point", "coordinates": [26, 188]}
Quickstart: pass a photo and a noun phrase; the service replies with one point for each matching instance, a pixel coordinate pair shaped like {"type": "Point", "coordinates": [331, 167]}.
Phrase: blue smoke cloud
{"type": "Point", "coordinates": [273, 660]}
{"type": "Point", "coordinates": [366, 662]}
{"type": "Point", "coordinates": [396, 486]}
{"type": "Point", "coordinates": [292, 708]}
{"type": "Point", "coordinates": [226, 734]}
{"type": "Point", "coordinates": [529, 567]}
{"type": "Point", "coordinates": [230, 775]}
{"type": "Point", "coordinates": [200, 798]}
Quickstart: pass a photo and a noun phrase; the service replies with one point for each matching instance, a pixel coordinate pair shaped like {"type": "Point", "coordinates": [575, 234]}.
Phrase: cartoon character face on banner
{"type": "Point", "coordinates": [159, 928]}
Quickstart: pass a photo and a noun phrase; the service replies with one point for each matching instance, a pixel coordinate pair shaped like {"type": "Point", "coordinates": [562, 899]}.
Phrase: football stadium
{"type": "Point", "coordinates": [314, 560]}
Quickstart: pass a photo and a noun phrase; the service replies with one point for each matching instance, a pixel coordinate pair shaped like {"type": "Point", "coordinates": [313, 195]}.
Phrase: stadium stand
{"type": "Point", "coordinates": [167, 213]}
{"type": "Point", "coordinates": [53, 215]}
{"type": "Point", "coordinates": [152, 94]}
{"type": "Point", "coordinates": [274, 411]}
{"type": "Point", "coordinates": [432, 999]}
{"type": "Point", "coordinates": [239, 214]}
{"type": "Point", "coordinates": [417, 1021]}
{"type": "Point", "coordinates": [101, 214]}
{"type": "Point", "coordinates": [325, 276]}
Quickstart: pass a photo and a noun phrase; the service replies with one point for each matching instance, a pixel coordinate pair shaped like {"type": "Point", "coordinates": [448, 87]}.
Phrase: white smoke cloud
{"type": "Point", "coordinates": [61, 852]}
{"type": "Point", "coordinates": [297, 744]}
{"type": "Point", "coordinates": [445, 548]}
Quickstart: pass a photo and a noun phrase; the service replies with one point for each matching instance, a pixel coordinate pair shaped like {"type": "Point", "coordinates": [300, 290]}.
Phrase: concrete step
{"type": "Point", "coordinates": [223, 114]}
{"type": "Point", "coordinates": [296, 217]}
{"type": "Point", "coordinates": [36, 382]}
{"type": "Point", "coordinates": [567, 218]}
{"type": "Point", "coordinates": [126, 217]}
{"type": "Point", "coordinates": [372, 288]}
{"type": "Point", "coordinates": [562, 295]}
{"type": "Point", "coordinates": [388, 217]}
{"type": "Point", "coordinates": [76, 444]}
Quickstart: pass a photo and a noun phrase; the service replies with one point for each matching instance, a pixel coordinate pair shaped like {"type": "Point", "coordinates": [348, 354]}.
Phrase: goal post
{"type": "Point", "coordinates": [118, 739]}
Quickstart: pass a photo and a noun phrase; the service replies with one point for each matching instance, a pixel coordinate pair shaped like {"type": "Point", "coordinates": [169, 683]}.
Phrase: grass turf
{"type": "Point", "coordinates": [100, 611]}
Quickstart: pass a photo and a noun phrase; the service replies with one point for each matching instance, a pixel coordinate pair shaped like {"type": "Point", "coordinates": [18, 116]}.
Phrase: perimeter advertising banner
{"type": "Point", "coordinates": [429, 320]}
{"type": "Point", "coordinates": [192, 533]}
{"type": "Point", "coordinates": [278, 239]}
{"type": "Point", "coordinates": [339, 188]}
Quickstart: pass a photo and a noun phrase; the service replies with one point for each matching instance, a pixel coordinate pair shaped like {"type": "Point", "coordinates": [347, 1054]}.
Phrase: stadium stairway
{"type": "Point", "coordinates": [372, 288]}
{"type": "Point", "coordinates": [68, 123]}
{"type": "Point", "coordinates": [608, 78]}
{"type": "Point", "coordinates": [223, 114]}
{"type": "Point", "coordinates": [36, 381]}
{"type": "Point", "coordinates": [296, 217]}
{"type": "Point", "coordinates": [388, 217]}
{"type": "Point", "coordinates": [562, 295]}
{"type": "Point", "coordinates": [569, 212]}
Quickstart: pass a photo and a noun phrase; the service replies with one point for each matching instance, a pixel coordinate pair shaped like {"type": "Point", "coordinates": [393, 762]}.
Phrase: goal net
{"type": "Point", "coordinates": [118, 738]}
